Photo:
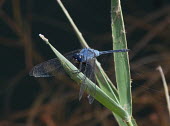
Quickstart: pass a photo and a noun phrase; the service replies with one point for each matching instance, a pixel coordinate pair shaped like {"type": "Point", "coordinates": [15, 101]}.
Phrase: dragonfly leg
{"type": "Point", "coordinates": [90, 99]}
{"type": "Point", "coordinates": [78, 71]}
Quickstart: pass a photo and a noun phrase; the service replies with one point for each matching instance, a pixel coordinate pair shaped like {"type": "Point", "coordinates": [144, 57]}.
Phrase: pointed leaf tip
{"type": "Point", "coordinates": [44, 38]}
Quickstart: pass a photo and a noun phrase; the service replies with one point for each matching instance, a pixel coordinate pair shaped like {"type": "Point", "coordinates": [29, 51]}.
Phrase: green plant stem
{"type": "Point", "coordinates": [130, 123]}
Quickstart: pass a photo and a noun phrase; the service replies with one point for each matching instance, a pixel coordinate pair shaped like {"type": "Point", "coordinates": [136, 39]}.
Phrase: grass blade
{"type": "Point", "coordinates": [165, 88]}
{"type": "Point", "coordinates": [121, 60]}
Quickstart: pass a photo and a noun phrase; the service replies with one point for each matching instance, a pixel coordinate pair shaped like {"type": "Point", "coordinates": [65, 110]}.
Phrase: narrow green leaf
{"type": "Point", "coordinates": [121, 60]}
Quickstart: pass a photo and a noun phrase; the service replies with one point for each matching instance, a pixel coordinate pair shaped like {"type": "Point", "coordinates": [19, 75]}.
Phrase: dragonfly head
{"type": "Point", "coordinates": [77, 57]}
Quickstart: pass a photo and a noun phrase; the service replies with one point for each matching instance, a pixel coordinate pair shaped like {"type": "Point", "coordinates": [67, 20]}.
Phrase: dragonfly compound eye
{"type": "Point", "coordinates": [77, 57]}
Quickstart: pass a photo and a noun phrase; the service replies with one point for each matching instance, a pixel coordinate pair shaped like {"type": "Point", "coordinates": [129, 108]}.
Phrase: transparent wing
{"type": "Point", "coordinates": [83, 85]}
{"type": "Point", "coordinates": [92, 78]}
{"type": "Point", "coordinates": [50, 68]}
{"type": "Point", "coordinates": [45, 69]}
{"type": "Point", "coordinates": [89, 73]}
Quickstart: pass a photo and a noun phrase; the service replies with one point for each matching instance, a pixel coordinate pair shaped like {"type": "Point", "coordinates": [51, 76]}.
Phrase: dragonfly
{"type": "Point", "coordinates": [84, 59]}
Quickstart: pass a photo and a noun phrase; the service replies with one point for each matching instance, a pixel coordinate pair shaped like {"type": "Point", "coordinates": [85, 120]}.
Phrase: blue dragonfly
{"type": "Point", "coordinates": [84, 59]}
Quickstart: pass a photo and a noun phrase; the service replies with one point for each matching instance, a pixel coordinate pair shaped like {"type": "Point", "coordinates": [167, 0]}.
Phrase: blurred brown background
{"type": "Point", "coordinates": [28, 101]}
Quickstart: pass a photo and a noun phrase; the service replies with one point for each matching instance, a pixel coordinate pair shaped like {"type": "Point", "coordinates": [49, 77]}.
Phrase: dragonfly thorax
{"type": "Point", "coordinates": [86, 54]}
